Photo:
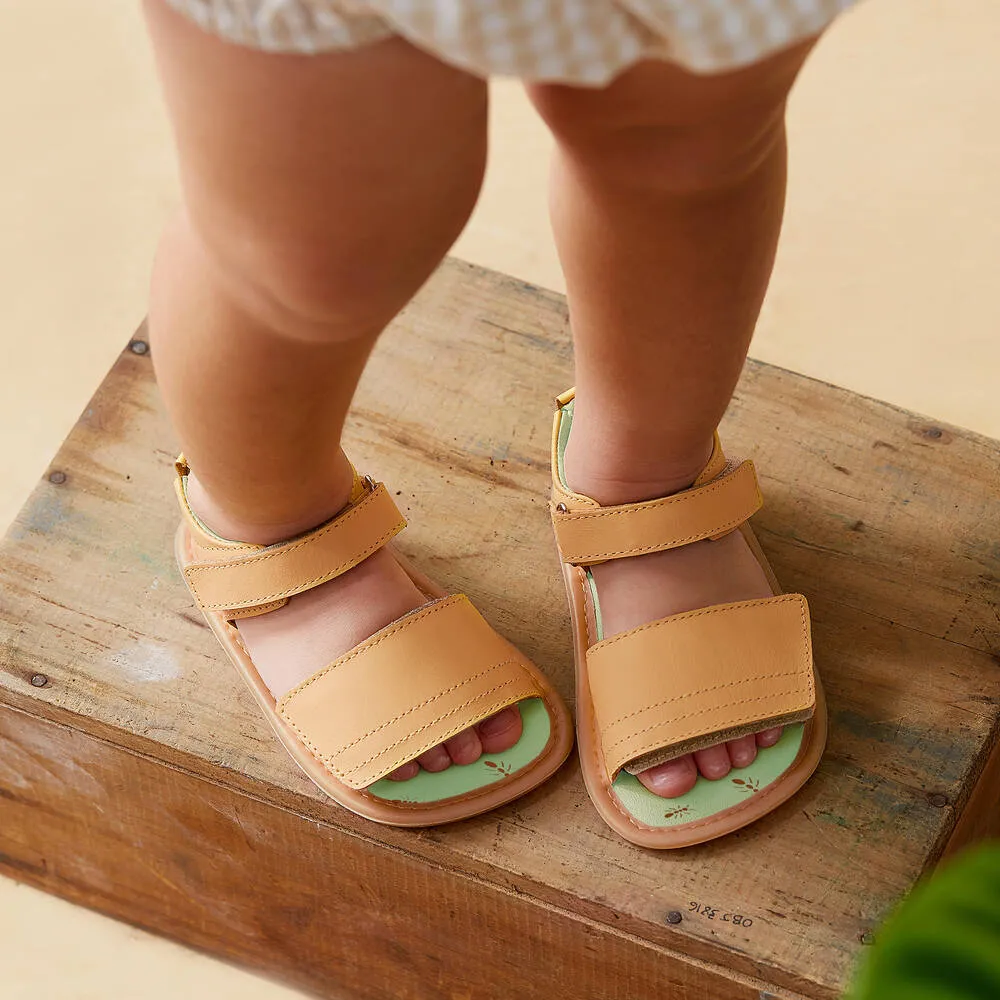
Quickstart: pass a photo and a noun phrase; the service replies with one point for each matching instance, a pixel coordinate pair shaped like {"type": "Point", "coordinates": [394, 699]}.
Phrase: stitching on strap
{"type": "Point", "coordinates": [700, 691]}
{"type": "Point", "coordinates": [291, 591]}
{"type": "Point", "coordinates": [284, 548]}
{"type": "Point", "coordinates": [720, 529]}
{"type": "Point", "coordinates": [404, 622]}
{"type": "Point", "coordinates": [713, 610]}
{"type": "Point", "coordinates": [677, 738]}
{"type": "Point", "coordinates": [692, 494]}
{"type": "Point", "coordinates": [674, 500]}
{"type": "Point", "coordinates": [327, 759]}
{"type": "Point", "coordinates": [510, 682]}
{"type": "Point", "coordinates": [426, 702]}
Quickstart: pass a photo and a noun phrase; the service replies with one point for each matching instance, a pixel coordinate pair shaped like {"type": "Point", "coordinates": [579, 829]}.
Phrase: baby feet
{"type": "Point", "coordinates": [292, 643]}
{"type": "Point", "coordinates": [642, 589]}
{"type": "Point", "coordinates": [316, 627]}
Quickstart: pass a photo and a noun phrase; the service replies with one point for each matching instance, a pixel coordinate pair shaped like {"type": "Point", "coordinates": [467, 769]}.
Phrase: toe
{"type": "Point", "coordinates": [404, 773]}
{"type": "Point", "coordinates": [742, 752]}
{"type": "Point", "coordinates": [464, 747]}
{"type": "Point", "coordinates": [713, 762]}
{"type": "Point", "coordinates": [501, 731]}
{"type": "Point", "coordinates": [669, 780]}
{"type": "Point", "coordinates": [769, 737]}
{"type": "Point", "coordinates": [435, 759]}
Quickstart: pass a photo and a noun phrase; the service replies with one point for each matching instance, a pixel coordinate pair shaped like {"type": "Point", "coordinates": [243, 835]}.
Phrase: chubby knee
{"type": "Point", "coordinates": [661, 128]}
{"type": "Point", "coordinates": [710, 156]}
{"type": "Point", "coordinates": [670, 154]}
{"type": "Point", "coordinates": [308, 287]}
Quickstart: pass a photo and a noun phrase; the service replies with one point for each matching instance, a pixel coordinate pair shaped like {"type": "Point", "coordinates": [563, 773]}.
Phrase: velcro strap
{"type": "Point", "coordinates": [597, 534]}
{"type": "Point", "coordinates": [693, 679]}
{"type": "Point", "coordinates": [414, 684]}
{"type": "Point", "coordinates": [247, 577]}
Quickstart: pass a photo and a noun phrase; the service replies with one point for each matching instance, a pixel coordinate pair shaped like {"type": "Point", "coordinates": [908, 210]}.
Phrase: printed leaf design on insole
{"type": "Point", "coordinates": [501, 769]}
{"type": "Point", "coordinates": [675, 813]}
{"type": "Point", "coordinates": [748, 785]}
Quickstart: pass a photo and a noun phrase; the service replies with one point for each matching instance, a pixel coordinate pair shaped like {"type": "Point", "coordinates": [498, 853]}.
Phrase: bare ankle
{"type": "Point", "coordinates": [265, 527]}
{"type": "Point", "coordinates": [616, 468]}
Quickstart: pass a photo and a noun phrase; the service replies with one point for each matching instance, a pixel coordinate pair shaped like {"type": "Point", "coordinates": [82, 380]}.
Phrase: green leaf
{"type": "Point", "coordinates": [943, 942]}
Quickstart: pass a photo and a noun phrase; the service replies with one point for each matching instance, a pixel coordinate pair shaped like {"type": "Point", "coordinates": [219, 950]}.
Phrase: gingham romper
{"type": "Point", "coordinates": [585, 42]}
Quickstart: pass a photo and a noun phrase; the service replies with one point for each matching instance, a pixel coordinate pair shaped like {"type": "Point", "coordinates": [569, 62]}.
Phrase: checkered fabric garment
{"type": "Point", "coordinates": [572, 41]}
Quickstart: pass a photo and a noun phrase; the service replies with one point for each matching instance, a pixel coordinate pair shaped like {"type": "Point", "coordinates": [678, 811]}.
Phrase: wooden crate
{"type": "Point", "coordinates": [137, 777]}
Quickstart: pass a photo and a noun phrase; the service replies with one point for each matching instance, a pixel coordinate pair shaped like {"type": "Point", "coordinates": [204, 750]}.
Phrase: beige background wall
{"type": "Point", "coordinates": [886, 283]}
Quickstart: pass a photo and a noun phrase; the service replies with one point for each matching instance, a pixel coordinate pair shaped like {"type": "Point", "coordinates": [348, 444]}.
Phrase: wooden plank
{"type": "Point", "coordinates": [979, 817]}
{"type": "Point", "coordinates": [325, 909]}
{"type": "Point", "coordinates": [886, 521]}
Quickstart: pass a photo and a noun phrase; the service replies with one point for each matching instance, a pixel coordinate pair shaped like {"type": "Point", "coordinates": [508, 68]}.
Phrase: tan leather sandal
{"type": "Point", "coordinates": [414, 684]}
{"type": "Point", "coordinates": [688, 681]}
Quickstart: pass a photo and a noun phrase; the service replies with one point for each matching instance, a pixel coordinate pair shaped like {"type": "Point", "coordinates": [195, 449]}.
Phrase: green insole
{"type": "Point", "coordinates": [460, 779]}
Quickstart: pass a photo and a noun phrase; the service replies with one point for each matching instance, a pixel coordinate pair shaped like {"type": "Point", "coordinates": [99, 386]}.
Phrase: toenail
{"type": "Point", "coordinates": [461, 742]}
{"type": "Point", "coordinates": [661, 781]}
{"type": "Point", "coordinates": [497, 725]}
{"type": "Point", "coordinates": [435, 759]}
{"type": "Point", "coordinates": [406, 772]}
{"type": "Point", "coordinates": [666, 774]}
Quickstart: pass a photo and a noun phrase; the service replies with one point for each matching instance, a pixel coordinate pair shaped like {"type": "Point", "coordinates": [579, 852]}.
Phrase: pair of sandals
{"type": "Point", "coordinates": [643, 697]}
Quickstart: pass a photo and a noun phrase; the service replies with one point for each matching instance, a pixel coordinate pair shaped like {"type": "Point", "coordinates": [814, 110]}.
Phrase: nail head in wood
{"type": "Point", "coordinates": [674, 917]}
{"type": "Point", "coordinates": [39, 680]}
{"type": "Point", "coordinates": [58, 477]}
{"type": "Point", "coordinates": [938, 800]}
{"type": "Point", "coordinates": [139, 347]}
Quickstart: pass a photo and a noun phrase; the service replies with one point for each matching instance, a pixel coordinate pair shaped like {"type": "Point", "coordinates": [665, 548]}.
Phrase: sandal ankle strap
{"type": "Point", "coordinates": [724, 495]}
{"type": "Point", "coordinates": [241, 580]}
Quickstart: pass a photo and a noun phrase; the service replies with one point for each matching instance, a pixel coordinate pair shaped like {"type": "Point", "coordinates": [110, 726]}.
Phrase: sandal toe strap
{"type": "Point", "coordinates": [699, 678]}
{"type": "Point", "coordinates": [412, 685]}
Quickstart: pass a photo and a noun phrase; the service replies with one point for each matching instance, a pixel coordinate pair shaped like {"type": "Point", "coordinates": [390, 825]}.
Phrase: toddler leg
{"type": "Point", "coordinates": [320, 192]}
{"type": "Point", "coordinates": [667, 197]}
